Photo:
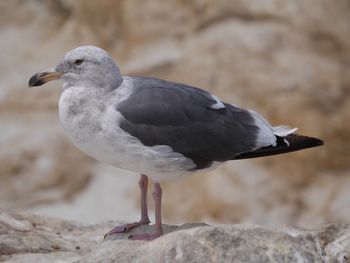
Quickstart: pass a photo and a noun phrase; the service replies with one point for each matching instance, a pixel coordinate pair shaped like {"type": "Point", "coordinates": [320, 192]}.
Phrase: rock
{"type": "Point", "coordinates": [289, 60]}
{"type": "Point", "coordinates": [29, 238]}
{"type": "Point", "coordinates": [32, 170]}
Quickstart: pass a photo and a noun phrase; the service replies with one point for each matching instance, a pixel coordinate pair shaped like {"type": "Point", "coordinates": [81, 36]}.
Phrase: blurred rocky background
{"type": "Point", "coordinates": [289, 60]}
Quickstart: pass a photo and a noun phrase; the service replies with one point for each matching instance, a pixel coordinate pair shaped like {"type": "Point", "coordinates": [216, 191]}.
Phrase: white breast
{"type": "Point", "coordinates": [93, 127]}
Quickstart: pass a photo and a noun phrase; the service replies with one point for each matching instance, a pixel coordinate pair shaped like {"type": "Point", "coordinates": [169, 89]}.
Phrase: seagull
{"type": "Point", "coordinates": [156, 128]}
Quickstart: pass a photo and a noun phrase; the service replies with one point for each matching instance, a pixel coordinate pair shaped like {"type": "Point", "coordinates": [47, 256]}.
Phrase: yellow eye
{"type": "Point", "coordinates": [78, 62]}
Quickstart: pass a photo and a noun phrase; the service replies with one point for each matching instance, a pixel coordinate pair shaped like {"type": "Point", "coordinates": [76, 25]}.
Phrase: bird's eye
{"type": "Point", "coordinates": [78, 62]}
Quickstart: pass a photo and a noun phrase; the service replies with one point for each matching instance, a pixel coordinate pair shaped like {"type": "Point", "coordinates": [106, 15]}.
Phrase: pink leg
{"type": "Point", "coordinates": [143, 183]}
{"type": "Point", "coordinates": [157, 196]}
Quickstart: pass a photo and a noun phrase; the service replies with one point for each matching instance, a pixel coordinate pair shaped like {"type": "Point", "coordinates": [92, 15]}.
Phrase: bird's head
{"type": "Point", "coordinates": [87, 66]}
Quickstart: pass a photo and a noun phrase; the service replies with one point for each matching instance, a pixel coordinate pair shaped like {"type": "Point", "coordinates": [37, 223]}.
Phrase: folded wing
{"type": "Point", "coordinates": [193, 122]}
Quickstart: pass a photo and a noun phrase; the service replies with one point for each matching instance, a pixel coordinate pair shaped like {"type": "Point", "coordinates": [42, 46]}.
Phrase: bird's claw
{"type": "Point", "coordinates": [124, 228]}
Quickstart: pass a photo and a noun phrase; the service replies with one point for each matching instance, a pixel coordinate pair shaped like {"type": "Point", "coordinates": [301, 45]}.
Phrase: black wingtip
{"type": "Point", "coordinates": [317, 142]}
{"type": "Point", "coordinates": [295, 143]}
{"type": "Point", "coordinates": [303, 142]}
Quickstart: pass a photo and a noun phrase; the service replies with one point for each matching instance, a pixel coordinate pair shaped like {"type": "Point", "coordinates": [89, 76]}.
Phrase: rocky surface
{"type": "Point", "coordinates": [289, 60]}
{"type": "Point", "coordinates": [28, 238]}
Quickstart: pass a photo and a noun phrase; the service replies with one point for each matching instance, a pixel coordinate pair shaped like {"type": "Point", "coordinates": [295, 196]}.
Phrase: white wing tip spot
{"type": "Point", "coordinates": [218, 105]}
{"type": "Point", "coordinates": [286, 142]}
{"type": "Point", "coordinates": [283, 131]}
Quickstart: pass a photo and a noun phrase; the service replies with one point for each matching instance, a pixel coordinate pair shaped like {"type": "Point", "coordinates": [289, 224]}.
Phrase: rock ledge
{"type": "Point", "coordinates": [31, 238]}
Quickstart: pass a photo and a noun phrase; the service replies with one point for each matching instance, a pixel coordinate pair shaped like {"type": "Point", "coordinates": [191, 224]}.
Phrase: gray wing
{"type": "Point", "coordinates": [182, 117]}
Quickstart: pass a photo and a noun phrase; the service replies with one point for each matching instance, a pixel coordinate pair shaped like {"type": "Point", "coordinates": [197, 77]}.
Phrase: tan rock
{"type": "Point", "coordinates": [289, 60]}
{"type": "Point", "coordinates": [28, 238]}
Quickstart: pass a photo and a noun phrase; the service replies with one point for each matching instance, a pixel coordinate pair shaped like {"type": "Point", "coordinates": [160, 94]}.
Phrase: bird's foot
{"type": "Point", "coordinates": [145, 237]}
{"type": "Point", "coordinates": [125, 228]}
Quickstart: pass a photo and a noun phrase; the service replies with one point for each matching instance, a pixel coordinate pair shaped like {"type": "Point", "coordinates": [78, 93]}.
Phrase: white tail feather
{"type": "Point", "coordinates": [283, 130]}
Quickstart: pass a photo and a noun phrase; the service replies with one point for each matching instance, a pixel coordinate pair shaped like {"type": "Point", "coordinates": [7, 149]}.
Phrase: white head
{"type": "Point", "coordinates": [87, 66]}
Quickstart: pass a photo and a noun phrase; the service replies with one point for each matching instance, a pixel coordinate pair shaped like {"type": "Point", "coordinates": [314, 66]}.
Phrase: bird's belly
{"type": "Point", "coordinates": [97, 133]}
{"type": "Point", "coordinates": [121, 150]}
{"type": "Point", "coordinates": [160, 163]}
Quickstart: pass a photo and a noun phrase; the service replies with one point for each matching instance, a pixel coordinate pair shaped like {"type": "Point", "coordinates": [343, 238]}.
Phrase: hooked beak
{"type": "Point", "coordinates": [43, 77]}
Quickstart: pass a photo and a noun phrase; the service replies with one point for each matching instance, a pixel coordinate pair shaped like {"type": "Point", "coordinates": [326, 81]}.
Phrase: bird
{"type": "Point", "coordinates": [159, 129]}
